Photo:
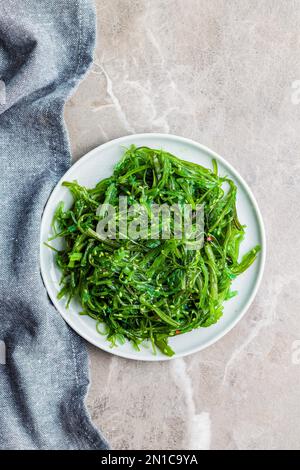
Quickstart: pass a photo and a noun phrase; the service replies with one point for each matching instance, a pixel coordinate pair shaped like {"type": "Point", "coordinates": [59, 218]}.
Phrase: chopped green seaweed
{"type": "Point", "coordinates": [151, 289]}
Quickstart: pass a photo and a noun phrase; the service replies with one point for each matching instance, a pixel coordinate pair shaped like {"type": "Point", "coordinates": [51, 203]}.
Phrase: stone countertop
{"type": "Point", "coordinates": [220, 72]}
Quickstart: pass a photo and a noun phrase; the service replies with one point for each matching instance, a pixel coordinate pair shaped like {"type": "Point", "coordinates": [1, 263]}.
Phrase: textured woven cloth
{"type": "Point", "coordinates": [45, 48]}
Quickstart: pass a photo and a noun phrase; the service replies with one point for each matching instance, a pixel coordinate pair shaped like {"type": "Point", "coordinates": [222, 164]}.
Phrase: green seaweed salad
{"type": "Point", "coordinates": [151, 289]}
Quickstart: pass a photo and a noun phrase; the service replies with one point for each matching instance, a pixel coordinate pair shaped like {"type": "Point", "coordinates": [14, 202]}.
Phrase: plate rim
{"type": "Point", "coordinates": [116, 351]}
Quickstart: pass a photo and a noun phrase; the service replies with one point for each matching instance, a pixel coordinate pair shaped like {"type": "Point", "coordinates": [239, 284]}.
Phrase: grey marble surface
{"type": "Point", "coordinates": [220, 72]}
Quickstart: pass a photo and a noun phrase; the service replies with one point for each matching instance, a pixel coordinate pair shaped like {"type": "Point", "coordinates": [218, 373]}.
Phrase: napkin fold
{"type": "Point", "coordinates": [45, 49]}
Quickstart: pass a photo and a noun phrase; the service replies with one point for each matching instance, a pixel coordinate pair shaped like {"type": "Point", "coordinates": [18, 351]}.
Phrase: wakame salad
{"type": "Point", "coordinates": [151, 287]}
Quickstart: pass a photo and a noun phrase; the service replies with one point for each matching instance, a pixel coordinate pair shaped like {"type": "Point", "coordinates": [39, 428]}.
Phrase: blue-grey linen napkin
{"type": "Point", "coordinates": [45, 48]}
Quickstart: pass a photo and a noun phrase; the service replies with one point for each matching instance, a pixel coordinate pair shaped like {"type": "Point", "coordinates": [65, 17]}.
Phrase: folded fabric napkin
{"type": "Point", "coordinates": [45, 48]}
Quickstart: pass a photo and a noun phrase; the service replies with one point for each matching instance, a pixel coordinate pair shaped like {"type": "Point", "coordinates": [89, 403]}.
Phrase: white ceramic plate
{"type": "Point", "coordinates": [98, 164]}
